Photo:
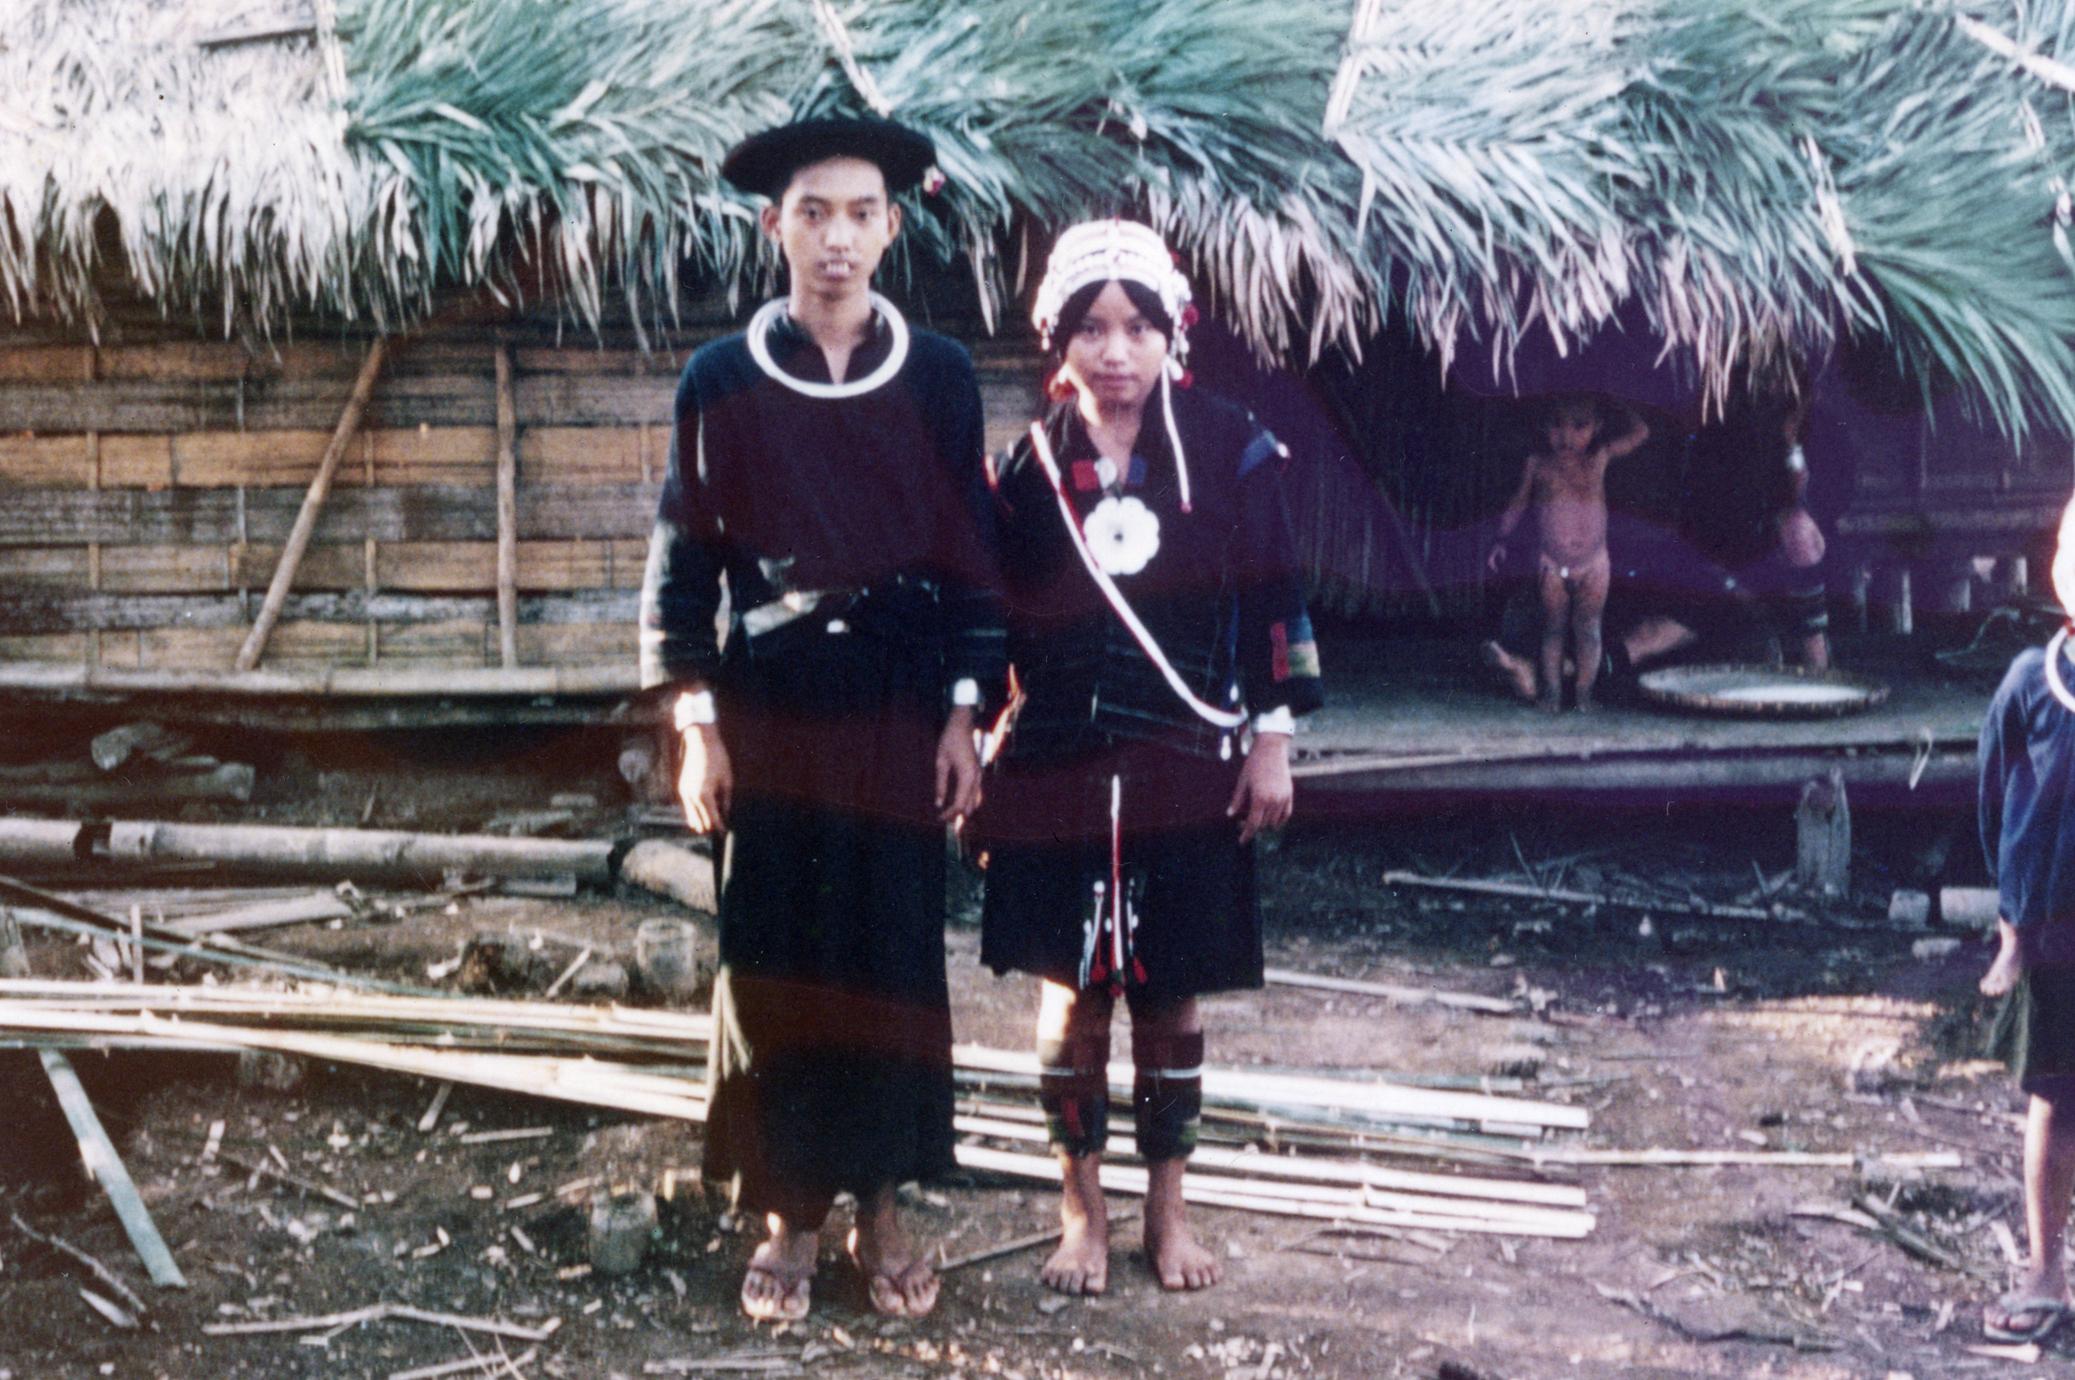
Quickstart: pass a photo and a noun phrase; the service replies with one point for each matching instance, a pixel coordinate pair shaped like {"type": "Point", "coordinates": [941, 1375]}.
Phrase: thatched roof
{"type": "Point", "coordinates": [1757, 176]}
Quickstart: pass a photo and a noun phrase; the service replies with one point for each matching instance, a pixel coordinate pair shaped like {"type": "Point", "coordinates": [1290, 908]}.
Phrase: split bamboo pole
{"type": "Point", "coordinates": [360, 853]}
{"type": "Point", "coordinates": [313, 504]}
{"type": "Point", "coordinates": [507, 513]}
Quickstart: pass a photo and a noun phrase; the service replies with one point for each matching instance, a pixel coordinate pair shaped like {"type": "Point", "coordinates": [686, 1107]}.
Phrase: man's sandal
{"type": "Point", "coordinates": [2003, 1321]}
{"type": "Point", "coordinates": [781, 1295]}
{"type": "Point", "coordinates": [887, 1288]}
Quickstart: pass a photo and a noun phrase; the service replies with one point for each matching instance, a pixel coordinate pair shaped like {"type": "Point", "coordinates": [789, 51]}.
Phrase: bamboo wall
{"type": "Point", "coordinates": [146, 488]}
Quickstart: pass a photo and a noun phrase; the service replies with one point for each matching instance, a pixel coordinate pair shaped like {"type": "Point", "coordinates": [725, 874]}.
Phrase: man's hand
{"type": "Point", "coordinates": [958, 768]}
{"type": "Point", "coordinates": [1264, 797]}
{"type": "Point", "coordinates": [706, 780]}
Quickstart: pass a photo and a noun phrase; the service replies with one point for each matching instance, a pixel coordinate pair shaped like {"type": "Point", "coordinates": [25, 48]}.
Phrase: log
{"type": "Point", "coordinates": [671, 870]}
{"type": "Point", "coordinates": [118, 745]}
{"type": "Point", "coordinates": [227, 781]}
{"type": "Point", "coordinates": [359, 853]}
{"type": "Point", "coordinates": [105, 1167]}
{"type": "Point", "coordinates": [345, 682]}
{"type": "Point", "coordinates": [507, 514]}
{"type": "Point", "coordinates": [313, 504]}
{"type": "Point", "coordinates": [41, 842]}
{"type": "Point", "coordinates": [1823, 837]}
{"type": "Point", "coordinates": [34, 612]}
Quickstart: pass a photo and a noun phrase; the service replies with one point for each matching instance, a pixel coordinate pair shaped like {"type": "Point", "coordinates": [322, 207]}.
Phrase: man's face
{"type": "Point", "coordinates": [833, 226]}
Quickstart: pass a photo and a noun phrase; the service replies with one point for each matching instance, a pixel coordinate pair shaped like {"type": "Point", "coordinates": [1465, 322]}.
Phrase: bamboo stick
{"type": "Point", "coordinates": [340, 682]}
{"type": "Point", "coordinates": [507, 514]}
{"type": "Point", "coordinates": [1576, 898]}
{"type": "Point", "coordinates": [1412, 996]}
{"type": "Point", "coordinates": [360, 852]}
{"type": "Point", "coordinates": [106, 1168]}
{"type": "Point", "coordinates": [313, 504]}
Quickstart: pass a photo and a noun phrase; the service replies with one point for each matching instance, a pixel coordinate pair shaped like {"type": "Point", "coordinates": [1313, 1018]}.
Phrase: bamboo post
{"type": "Point", "coordinates": [507, 513]}
{"type": "Point", "coordinates": [106, 1169]}
{"type": "Point", "coordinates": [313, 504]}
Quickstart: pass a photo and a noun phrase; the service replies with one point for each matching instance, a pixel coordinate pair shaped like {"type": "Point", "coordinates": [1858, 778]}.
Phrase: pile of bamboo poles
{"type": "Point", "coordinates": [1292, 1145]}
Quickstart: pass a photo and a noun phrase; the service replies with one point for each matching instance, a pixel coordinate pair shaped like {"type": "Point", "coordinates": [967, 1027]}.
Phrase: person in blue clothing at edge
{"type": "Point", "coordinates": [2028, 831]}
{"type": "Point", "coordinates": [830, 463]}
{"type": "Point", "coordinates": [1160, 643]}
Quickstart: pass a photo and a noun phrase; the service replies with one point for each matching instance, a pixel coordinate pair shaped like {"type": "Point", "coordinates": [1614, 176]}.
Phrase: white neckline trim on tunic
{"type": "Point", "coordinates": [896, 352]}
{"type": "Point", "coordinates": [2053, 670]}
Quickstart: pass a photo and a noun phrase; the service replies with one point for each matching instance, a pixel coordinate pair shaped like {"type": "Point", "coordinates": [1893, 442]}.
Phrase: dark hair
{"type": "Point", "coordinates": [1566, 404]}
{"type": "Point", "coordinates": [1076, 307]}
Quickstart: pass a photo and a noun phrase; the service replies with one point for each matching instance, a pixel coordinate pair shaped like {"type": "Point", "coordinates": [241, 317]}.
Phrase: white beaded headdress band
{"type": "Point", "coordinates": [1103, 251]}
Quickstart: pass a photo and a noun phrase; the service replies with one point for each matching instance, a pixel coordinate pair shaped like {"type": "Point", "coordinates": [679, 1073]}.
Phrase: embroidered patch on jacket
{"type": "Point", "coordinates": [1086, 479]}
{"type": "Point", "coordinates": [1289, 659]}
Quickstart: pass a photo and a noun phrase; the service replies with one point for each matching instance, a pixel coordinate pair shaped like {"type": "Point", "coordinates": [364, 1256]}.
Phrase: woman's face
{"type": "Point", "coordinates": [1115, 355]}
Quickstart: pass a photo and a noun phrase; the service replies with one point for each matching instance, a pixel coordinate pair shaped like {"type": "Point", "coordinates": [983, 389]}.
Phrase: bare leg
{"type": "Point", "coordinates": [1815, 652]}
{"type": "Point", "coordinates": [1081, 1265]}
{"type": "Point", "coordinates": [1588, 603]}
{"type": "Point", "coordinates": [898, 1278]}
{"type": "Point", "coordinates": [781, 1272]}
{"type": "Point", "coordinates": [1517, 673]}
{"type": "Point", "coordinates": [1654, 637]}
{"type": "Point", "coordinates": [1177, 1257]}
{"type": "Point", "coordinates": [1556, 617]}
{"type": "Point", "coordinates": [2049, 1179]}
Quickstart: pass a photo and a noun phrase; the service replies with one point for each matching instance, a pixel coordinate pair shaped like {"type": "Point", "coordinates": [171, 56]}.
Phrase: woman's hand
{"type": "Point", "coordinates": [1264, 797]}
{"type": "Point", "coordinates": [706, 780]}
{"type": "Point", "coordinates": [958, 768]}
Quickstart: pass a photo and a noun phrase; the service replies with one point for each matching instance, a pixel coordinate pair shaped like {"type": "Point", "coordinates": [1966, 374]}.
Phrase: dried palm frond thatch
{"type": "Point", "coordinates": [1755, 178]}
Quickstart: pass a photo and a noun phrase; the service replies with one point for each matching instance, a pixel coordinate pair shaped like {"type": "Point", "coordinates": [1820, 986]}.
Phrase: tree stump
{"type": "Point", "coordinates": [1823, 838]}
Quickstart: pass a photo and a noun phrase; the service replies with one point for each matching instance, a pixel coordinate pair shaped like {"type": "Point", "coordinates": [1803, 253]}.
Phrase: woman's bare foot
{"type": "Point", "coordinates": [1081, 1265]}
{"type": "Point", "coordinates": [2004, 972]}
{"type": "Point", "coordinates": [1178, 1259]}
{"type": "Point", "coordinates": [898, 1280]}
{"type": "Point", "coordinates": [777, 1285]}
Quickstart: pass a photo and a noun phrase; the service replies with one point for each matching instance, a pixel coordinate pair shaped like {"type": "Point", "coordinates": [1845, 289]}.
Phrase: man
{"type": "Point", "coordinates": [828, 463]}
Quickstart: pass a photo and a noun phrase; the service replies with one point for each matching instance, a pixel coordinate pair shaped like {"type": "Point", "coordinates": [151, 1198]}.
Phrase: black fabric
{"type": "Point", "coordinates": [781, 492]}
{"type": "Point", "coordinates": [1045, 832]}
{"type": "Point", "coordinates": [764, 163]}
{"type": "Point", "coordinates": [1166, 1093]}
{"type": "Point", "coordinates": [1074, 1093]}
{"type": "Point", "coordinates": [2034, 1031]}
{"type": "Point", "coordinates": [1222, 596]}
{"type": "Point", "coordinates": [831, 1064]}
{"type": "Point", "coordinates": [831, 1068]}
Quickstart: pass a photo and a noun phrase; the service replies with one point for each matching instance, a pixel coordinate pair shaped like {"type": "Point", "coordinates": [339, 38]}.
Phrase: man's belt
{"type": "Point", "coordinates": [903, 595]}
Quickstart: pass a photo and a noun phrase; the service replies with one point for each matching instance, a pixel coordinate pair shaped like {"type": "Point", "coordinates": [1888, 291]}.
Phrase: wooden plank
{"type": "Point", "coordinates": [455, 642]}
{"type": "Point", "coordinates": [141, 462]}
{"type": "Point", "coordinates": [65, 648]}
{"type": "Point", "coordinates": [429, 512]}
{"type": "Point", "coordinates": [47, 364]}
{"type": "Point", "coordinates": [582, 455]}
{"type": "Point", "coordinates": [147, 569]}
{"type": "Point", "coordinates": [45, 611]}
{"type": "Point", "coordinates": [313, 504]}
{"type": "Point", "coordinates": [34, 567]}
{"type": "Point", "coordinates": [603, 645]}
{"type": "Point", "coordinates": [180, 360]}
{"type": "Point", "coordinates": [301, 642]}
{"type": "Point", "coordinates": [507, 514]}
{"type": "Point", "coordinates": [105, 1167]}
{"type": "Point", "coordinates": [589, 360]}
{"type": "Point", "coordinates": [326, 565]}
{"type": "Point", "coordinates": [434, 455]}
{"type": "Point", "coordinates": [279, 403]}
{"type": "Point", "coordinates": [45, 462]}
{"type": "Point", "coordinates": [219, 459]}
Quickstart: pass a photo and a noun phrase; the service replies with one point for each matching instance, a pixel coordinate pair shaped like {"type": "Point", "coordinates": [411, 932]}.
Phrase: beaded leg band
{"type": "Point", "coordinates": [1074, 1090]}
{"type": "Point", "coordinates": [1167, 1093]}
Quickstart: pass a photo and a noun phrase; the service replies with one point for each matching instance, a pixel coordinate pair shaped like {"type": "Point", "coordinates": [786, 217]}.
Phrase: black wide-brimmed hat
{"type": "Point", "coordinates": [765, 163]}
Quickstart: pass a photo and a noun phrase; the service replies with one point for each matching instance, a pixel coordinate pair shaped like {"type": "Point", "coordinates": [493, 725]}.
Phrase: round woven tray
{"type": "Point", "coordinates": [1764, 692]}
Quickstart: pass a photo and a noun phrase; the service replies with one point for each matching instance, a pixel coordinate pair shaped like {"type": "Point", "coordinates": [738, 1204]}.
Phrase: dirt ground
{"type": "Point", "coordinates": [1676, 1032]}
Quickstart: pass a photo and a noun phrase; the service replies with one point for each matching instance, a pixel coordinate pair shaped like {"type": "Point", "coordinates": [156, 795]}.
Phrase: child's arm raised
{"type": "Point", "coordinates": [1633, 434]}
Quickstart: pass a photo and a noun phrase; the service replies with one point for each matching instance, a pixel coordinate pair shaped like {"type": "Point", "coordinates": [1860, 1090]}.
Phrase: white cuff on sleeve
{"type": "Point", "coordinates": [1276, 720]}
{"type": "Point", "coordinates": [1796, 461]}
{"type": "Point", "coordinates": [694, 709]}
{"type": "Point", "coordinates": [965, 693]}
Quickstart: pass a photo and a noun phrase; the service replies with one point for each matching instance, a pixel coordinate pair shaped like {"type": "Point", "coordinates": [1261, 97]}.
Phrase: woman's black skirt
{"type": "Point", "coordinates": [1045, 835]}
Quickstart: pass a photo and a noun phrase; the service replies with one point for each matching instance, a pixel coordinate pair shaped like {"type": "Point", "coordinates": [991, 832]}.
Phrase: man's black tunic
{"type": "Point", "coordinates": [831, 1067]}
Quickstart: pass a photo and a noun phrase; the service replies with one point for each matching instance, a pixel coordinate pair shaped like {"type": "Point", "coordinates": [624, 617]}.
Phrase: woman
{"type": "Point", "coordinates": [1158, 635]}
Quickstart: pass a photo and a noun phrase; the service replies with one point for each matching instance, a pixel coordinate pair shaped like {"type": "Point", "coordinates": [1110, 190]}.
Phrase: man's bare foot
{"type": "Point", "coordinates": [1518, 675]}
{"type": "Point", "coordinates": [2004, 972]}
{"type": "Point", "coordinates": [1550, 702]}
{"type": "Point", "coordinates": [1178, 1259]}
{"type": "Point", "coordinates": [1586, 705]}
{"type": "Point", "coordinates": [777, 1285]}
{"type": "Point", "coordinates": [1081, 1265]}
{"type": "Point", "coordinates": [2033, 1309]}
{"type": "Point", "coordinates": [898, 1280]}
